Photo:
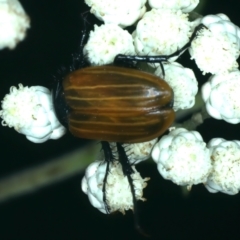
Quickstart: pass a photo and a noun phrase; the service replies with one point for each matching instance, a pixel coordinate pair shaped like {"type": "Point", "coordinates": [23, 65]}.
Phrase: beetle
{"type": "Point", "coordinates": [115, 103]}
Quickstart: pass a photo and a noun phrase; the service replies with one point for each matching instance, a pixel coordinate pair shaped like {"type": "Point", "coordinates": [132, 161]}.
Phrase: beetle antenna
{"type": "Point", "coordinates": [158, 58]}
{"type": "Point", "coordinates": [79, 59]}
{"type": "Point", "coordinates": [188, 44]}
{"type": "Point", "coordinates": [127, 171]}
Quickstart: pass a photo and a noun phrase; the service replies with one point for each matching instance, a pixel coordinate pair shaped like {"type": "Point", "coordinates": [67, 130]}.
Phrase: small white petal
{"type": "Point", "coordinates": [58, 132]}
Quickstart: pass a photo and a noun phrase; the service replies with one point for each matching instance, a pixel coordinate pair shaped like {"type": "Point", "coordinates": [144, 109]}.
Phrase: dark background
{"type": "Point", "coordinates": [62, 211]}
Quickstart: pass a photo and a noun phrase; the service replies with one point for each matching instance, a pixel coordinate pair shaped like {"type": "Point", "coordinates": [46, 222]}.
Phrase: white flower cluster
{"type": "Point", "coordinates": [118, 192]}
{"type": "Point", "coordinates": [30, 111]}
{"type": "Point", "coordinates": [156, 36]}
{"type": "Point", "coordinates": [105, 42]}
{"type": "Point", "coordinates": [120, 12]}
{"type": "Point", "coordinates": [108, 40]}
{"type": "Point", "coordinates": [216, 48]}
{"type": "Point", "coordinates": [182, 156]}
{"type": "Point", "coordinates": [221, 95]}
{"type": "Point", "coordinates": [13, 23]}
{"type": "Point", "coordinates": [182, 81]}
{"type": "Point", "coordinates": [215, 51]}
{"type": "Point", "coordinates": [225, 176]}
{"type": "Point", "coordinates": [153, 36]}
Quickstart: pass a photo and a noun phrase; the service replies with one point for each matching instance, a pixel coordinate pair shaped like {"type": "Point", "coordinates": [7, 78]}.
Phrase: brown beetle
{"type": "Point", "coordinates": [117, 104]}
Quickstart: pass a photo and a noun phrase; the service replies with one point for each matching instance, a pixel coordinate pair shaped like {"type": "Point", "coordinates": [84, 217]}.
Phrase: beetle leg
{"type": "Point", "coordinates": [123, 159]}
{"type": "Point", "coordinates": [162, 68]}
{"type": "Point", "coordinates": [127, 171]}
{"type": "Point", "coordinates": [108, 158]}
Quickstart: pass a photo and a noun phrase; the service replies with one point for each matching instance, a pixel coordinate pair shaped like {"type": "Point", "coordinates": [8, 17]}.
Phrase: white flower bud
{"type": "Point", "coordinates": [182, 157]}
{"type": "Point", "coordinates": [120, 12]}
{"type": "Point", "coordinates": [216, 47]}
{"type": "Point", "coordinates": [30, 111]}
{"type": "Point", "coordinates": [13, 23]}
{"type": "Point", "coordinates": [105, 42]}
{"type": "Point", "coordinates": [156, 36]}
{"type": "Point", "coordinates": [225, 175]}
{"type": "Point", "coordinates": [221, 95]}
{"type": "Point", "coordinates": [118, 191]}
{"type": "Point", "coordinates": [182, 81]}
{"type": "Point", "coordinates": [183, 5]}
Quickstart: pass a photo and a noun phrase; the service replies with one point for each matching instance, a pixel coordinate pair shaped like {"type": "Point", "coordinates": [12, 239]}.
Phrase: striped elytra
{"type": "Point", "coordinates": [117, 104]}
